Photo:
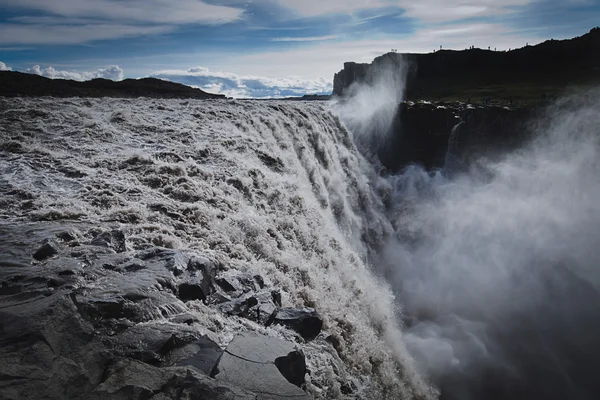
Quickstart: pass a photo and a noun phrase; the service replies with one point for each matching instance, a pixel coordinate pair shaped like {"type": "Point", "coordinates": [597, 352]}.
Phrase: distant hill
{"type": "Point", "coordinates": [22, 84]}
{"type": "Point", "coordinates": [522, 75]}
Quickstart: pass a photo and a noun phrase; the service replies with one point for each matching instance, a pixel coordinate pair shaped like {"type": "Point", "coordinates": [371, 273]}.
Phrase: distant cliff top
{"type": "Point", "coordinates": [21, 84]}
{"type": "Point", "coordinates": [522, 75]}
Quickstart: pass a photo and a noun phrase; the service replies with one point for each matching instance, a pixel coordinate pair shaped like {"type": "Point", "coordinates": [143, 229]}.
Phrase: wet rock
{"type": "Point", "coordinates": [249, 362]}
{"type": "Point", "coordinates": [239, 307]}
{"type": "Point", "coordinates": [192, 291]}
{"type": "Point", "coordinates": [305, 321]}
{"type": "Point", "coordinates": [93, 323]}
{"type": "Point", "coordinates": [114, 239]}
{"type": "Point", "coordinates": [227, 284]}
{"type": "Point", "coordinates": [176, 341]}
{"type": "Point", "coordinates": [247, 281]}
{"type": "Point", "coordinates": [202, 264]}
{"type": "Point", "coordinates": [243, 283]}
{"type": "Point", "coordinates": [130, 379]}
{"type": "Point", "coordinates": [46, 347]}
{"type": "Point", "coordinates": [186, 318]}
{"type": "Point", "coordinates": [265, 312]}
{"type": "Point", "coordinates": [174, 261]}
{"type": "Point", "coordinates": [276, 296]}
{"type": "Point", "coordinates": [102, 309]}
{"type": "Point", "coordinates": [68, 236]}
{"type": "Point", "coordinates": [151, 344]}
{"type": "Point", "coordinates": [259, 281]}
{"type": "Point", "coordinates": [347, 388]}
{"type": "Point", "coordinates": [292, 367]}
{"type": "Point", "coordinates": [217, 298]}
{"type": "Point", "coordinates": [49, 248]}
{"type": "Point", "coordinates": [203, 354]}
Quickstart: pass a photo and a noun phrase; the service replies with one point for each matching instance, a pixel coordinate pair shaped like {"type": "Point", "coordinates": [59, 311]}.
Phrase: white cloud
{"type": "Point", "coordinates": [304, 39]}
{"type": "Point", "coordinates": [155, 11]}
{"type": "Point", "coordinates": [82, 21]}
{"type": "Point", "coordinates": [245, 86]}
{"type": "Point", "coordinates": [423, 10]}
{"type": "Point", "coordinates": [453, 10]}
{"type": "Point", "coordinates": [113, 72]}
{"type": "Point", "coordinates": [72, 34]}
{"type": "Point", "coordinates": [312, 8]}
{"type": "Point", "coordinates": [324, 58]}
{"type": "Point", "coordinates": [4, 67]}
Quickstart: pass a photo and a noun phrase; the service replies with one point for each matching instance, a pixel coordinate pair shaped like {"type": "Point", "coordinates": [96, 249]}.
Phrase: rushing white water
{"type": "Point", "coordinates": [271, 188]}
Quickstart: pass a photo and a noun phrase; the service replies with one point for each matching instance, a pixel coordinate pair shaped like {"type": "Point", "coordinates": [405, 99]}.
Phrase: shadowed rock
{"type": "Point", "coordinates": [48, 249]}
{"type": "Point", "coordinates": [63, 335]}
{"type": "Point", "coordinates": [114, 239]}
{"type": "Point", "coordinates": [249, 362]}
{"type": "Point", "coordinates": [292, 367]}
{"type": "Point", "coordinates": [130, 379]}
{"type": "Point", "coordinates": [305, 321]}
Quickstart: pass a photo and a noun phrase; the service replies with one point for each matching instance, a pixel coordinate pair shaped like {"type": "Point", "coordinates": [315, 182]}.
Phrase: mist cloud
{"type": "Point", "coordinates": [496, 268]}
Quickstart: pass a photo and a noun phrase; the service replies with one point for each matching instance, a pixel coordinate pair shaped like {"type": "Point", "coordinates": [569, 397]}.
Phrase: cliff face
{"type": "Point", "coordinates": [552, 64]}
{"type": "Point", "coordinates": [423, 134]}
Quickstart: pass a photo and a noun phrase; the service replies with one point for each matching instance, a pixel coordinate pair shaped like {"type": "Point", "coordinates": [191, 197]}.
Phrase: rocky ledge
{"type": "Point", "coordinates": [426, 133]}
{"type": "Point", "coordinates": [85, 318]}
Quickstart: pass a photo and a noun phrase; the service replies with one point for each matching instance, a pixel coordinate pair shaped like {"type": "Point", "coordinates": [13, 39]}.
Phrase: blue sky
{"type": "Point", "coordinates": [262, 48]}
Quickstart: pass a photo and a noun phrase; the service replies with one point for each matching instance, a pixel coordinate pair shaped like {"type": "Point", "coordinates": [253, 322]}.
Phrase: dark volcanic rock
{"type": "Point", "coordinates": [305, 321]}
{"type": "Point", "coordinates": [258, 307]}
{"type": "Point", "coordinates": [250, 363]}
{"type": "Point", "coordinates": [205, 355]}
{"type": "Point", "coordinates": [89, 323]}
{"type": "Point", "coordinates": [227, 284]}
{"type": "Point", "coordinates": [427, 134]}
{"type": "Point", "coordinates": [130, 379]}
{"type": "Point", "coordinates": [114, 239]}
{"type": "Point", "coordinates": [242, 282]}
{"type": "Point", "coordinates": [47, 250]}
{"type": "Point", "coordinates": [47, 350]}
{"type": "Point", "coordinates": [192, 291]}
{"type": "Point", "coordinates": [292, 367]}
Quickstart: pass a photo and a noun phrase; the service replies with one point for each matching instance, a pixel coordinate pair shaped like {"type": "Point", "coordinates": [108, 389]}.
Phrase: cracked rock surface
{"type": "Point", "coordinates": [89, 319]}
{"type": "Point", "coordinates": [250, 362]}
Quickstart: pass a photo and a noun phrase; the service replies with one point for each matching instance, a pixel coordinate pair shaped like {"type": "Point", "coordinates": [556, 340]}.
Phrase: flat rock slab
{"type": "Point", "coordinates": [131, 379]}
{"type": "Point", "coordinates": [249, 363]}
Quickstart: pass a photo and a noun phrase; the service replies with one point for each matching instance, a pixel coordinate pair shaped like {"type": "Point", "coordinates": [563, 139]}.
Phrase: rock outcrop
{"type": "Point", "coordinates": [270, 367]}
{"type": "Point", "coordinates": [426, 134]}
{"type": "Point", "coordinates": [92, 319]}
{"type": "Point", "coordinates": [517, 74]}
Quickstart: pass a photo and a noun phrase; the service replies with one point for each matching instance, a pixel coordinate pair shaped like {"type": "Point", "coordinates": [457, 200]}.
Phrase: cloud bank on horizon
{"type": "Point", "coordinates": [262, 48]}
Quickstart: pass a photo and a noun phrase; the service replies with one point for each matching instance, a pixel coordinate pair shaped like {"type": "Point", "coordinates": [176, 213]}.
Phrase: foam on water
{"type": "Point", "coordinates": [271, 188]}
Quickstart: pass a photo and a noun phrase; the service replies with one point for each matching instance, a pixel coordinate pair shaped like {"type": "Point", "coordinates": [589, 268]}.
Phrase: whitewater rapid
{"type": "Point", "coordinates": [266, 187]}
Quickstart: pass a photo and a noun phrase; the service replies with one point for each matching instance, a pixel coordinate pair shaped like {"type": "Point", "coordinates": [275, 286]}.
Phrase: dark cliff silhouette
{"type": "Point", "coordinates": [524, 74]}
{"type": "Point", "coordinates": [22, 84]}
